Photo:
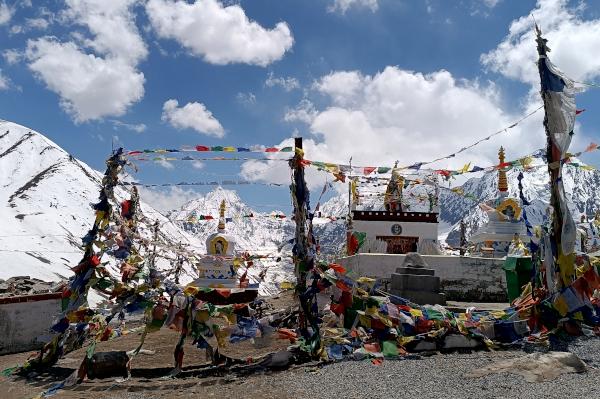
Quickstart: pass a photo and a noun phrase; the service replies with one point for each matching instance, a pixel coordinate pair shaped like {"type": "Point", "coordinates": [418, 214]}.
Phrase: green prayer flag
{"type": "Point", "coordinates": [287, 149]}
{"type": "Point", "coordinates": [389, 348]}
{"type": "Point", "coordinates": [91, 349]}
{"type": "Point", "coordinates": [383, 170]}
{"type": "Point", "coordinates": [471, 197]}
{"type": "Point", "coordinates": [319, 165]}
{"type": "Point", "coordinates": [434, 314]}
{"type": "Point", "coordinates": [217, 148]}
{"type": "Point", "coordinates": [358, 303]}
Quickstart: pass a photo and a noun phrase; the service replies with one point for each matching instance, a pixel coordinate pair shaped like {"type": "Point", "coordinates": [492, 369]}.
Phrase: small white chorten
{"type": "Point", "coordinates": [215, 273]}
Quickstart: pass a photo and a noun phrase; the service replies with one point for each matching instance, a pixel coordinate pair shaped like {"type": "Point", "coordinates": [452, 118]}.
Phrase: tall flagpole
{"type": "Point", "coordinates": [557, 92]}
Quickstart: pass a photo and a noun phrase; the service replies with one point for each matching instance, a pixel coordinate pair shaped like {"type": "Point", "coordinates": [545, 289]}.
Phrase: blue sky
{"type": "Point", "coordinates": [378, 80]}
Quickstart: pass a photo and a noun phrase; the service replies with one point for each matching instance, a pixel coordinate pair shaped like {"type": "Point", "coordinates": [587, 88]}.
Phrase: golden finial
{"type": "Point", "coordinates": [502, 182]}
{"type": "Point", "coordinates": [222, 216]}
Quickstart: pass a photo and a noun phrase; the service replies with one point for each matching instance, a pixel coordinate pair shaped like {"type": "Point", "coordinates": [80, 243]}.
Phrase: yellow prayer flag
{"type": "Point", "coordinates": [229, 149]}
{"type": "Point", "coordinates": [465, 168]}
{"type": "Point", "coordinates": [458, 190]}
{"type": "Point", "coordinates": [416, 313]}
{"type": "Point", "coordinates": [332, 167]}
{"type": "Point", "coordinates": [561, 306]}
{"type": "Point", "coordinates": [497, 314]}
{"type": "Point", "coordinates": [385, 320]}
{"type": "Point", "coordinates": [191, 290]}
{"type": "Point", "coordinates": [526, 161]}
{"type": "Point", "coordinates": [371, 311]}
{"type": "Point", "coordinates": [365, 321]}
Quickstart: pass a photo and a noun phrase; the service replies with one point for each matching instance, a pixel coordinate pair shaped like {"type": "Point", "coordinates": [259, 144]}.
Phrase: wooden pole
{"type": "Point", "coordinates": [304, 250]}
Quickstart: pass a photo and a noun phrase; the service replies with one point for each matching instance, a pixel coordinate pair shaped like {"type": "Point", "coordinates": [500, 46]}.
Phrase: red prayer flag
{"type": "Point", "coordinates": [591, 147]}
{"type": "Point", "coordinates": [303, 162]}
{"type": "Point", "coordinates": [272, 150]}
{"type": "Point", "coordinates": [337, 309]}
{"type": "Point", "coordinates": [592, 278]}
{"type": "Point", "coordinates": [209, 217]}
{"type": "Point", "coordinates": [339, 177]}
{"type": "Point", "coordinates": [343, 286]}
{"type": "Point", "coordinates": [369, 169]}
{"type": "Point", "coordinates": [578, 112]}
{"type": "Point", "coordinates": [443, 172]}
{"type": "Point", "coordinates": [337, 268]}
{"type": "Point", "coordinates": [202, 148]}
{"type": "Point", "coordinates": [106, 334]}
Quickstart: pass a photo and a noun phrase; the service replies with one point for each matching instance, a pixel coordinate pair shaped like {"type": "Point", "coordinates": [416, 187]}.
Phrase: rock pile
{"type": "Point", "coordinates": [25, 285]}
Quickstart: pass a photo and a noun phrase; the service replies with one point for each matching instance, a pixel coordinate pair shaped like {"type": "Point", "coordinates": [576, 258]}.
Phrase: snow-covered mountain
{"type": "Point", "coordinates": [581, 186]}
{"type": "Point", "coordinates": [46, 195]}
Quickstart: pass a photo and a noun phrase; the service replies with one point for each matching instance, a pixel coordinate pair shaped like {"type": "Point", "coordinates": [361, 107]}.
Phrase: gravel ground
{"type": "Point", "coordinates": [413, 376]}
{"type": "Point", "coordinates": [441, 376]}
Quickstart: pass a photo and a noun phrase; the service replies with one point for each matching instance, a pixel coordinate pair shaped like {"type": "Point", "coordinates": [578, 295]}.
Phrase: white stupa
{"type": "Point", "coordinates": [503, 223]}
{"type": "Point", "coordinates": [216, 273]}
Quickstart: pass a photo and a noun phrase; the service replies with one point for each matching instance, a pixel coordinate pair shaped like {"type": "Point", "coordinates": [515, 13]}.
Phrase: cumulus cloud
{"type": "Point", "coordinates": [304, 112]}
{"type": "Point", "coordinates": [413, 117]}
{"type": "Point", "coordinates": [138, 128]}
{"type": "Point", "coordinates": [492, 3]}
{"type": "Point", "coordinates": [574, 44]}
{"type": "Point", "coordinates": [288, 84]}
{"type": "Point", "coordinates": [246, 99]}
{"type": "Point", "coordinates": [406, 116]}
{"type": "Point", "coordinates": [166, 200]}
{"type": "Point", "coordinates": [6, 13]}
{"type": "Point", "coordinates": [105, 82]}
{"type": "Point", "coordinates": [192, 115]}
{"type": "Point", "coordinates": [11, 56]}
{"type": "Point", "coordinates": [343, 5]}
{"type": "Point", "coordinates": [4, 81]}
{"type": "Point", "coordinates": [39, 23]}
{"type": "Point", "coordinates": [217, 33]}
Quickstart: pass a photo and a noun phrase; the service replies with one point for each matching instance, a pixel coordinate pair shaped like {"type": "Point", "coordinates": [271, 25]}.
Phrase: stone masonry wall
{"type": "Point", "coordinates": [462, 278]}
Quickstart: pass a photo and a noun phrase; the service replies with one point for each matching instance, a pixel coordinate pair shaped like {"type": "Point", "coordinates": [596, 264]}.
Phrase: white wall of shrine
{"type": "Point", "coordinates": [373, 229]}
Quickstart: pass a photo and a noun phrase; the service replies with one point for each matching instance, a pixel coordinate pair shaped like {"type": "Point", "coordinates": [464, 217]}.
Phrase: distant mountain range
{"type": "Point", "coordinates": [47, 194]}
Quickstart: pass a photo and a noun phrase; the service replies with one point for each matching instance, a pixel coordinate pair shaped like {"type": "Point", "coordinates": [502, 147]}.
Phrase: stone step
{"type": "Point", "coordinates": [416, 282]}
{"type": "Point", "coordinates": [417, 271]}
{"type": "Point", "coordinates": [420, 297]}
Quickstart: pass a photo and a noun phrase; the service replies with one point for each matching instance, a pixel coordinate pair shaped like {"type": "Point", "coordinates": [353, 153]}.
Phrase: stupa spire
{"type": "Point", "coordinates": [502, 182]}
{"type": "Point", "coordinates": [221, 226]}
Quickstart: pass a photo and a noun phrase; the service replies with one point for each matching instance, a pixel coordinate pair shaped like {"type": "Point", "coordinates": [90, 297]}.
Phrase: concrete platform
{"type": "Point", "coordinates": [420, 297]}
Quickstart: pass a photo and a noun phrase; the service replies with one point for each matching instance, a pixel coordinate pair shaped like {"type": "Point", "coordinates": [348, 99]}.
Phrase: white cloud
{"type": "Point", "coordinates": [92, 86]}
{"type": "Point", "coordinates": [492, 3]}
{"type": "Point", "coordinates": [343, 5]}
{"type": "Point", "coordinates": [192, 115]}
{"type": "Point", "coordinates": [304, 112]}
{"type": "Point", "coordinates": [39, 23]}
{"type": "Point", "coordinates": [246, 99]}
{"type": "Point", "coordinates": [4, 82]}
{"type": "Point", "coordinates": [574, 44]}
{"type": "Point", "coordinates": [138, 128]}
{"type": "Point", "coordinates": [405, 116]}
{"type": "Point", "coordinates": [288, 84]}
{"type": "Point", "coordinates": [220, 35]}
{"type": "Point", "coordinates": [11, 56]}
{"type": "Point", "coordinates": [342, 86]}
{"type": "Point", "coordinates": [166, 200]}
{"type": "Point", "coordinates": [6, 13]}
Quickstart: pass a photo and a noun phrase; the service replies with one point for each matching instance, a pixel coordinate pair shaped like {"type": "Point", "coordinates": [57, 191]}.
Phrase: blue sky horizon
{"type": "Point", "coordinates": [375, 80]}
